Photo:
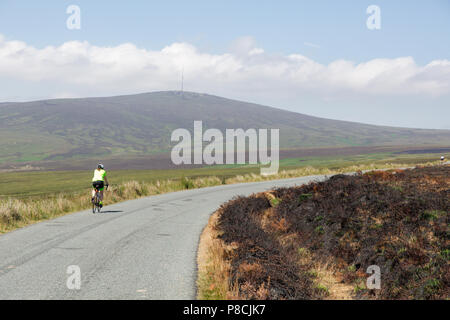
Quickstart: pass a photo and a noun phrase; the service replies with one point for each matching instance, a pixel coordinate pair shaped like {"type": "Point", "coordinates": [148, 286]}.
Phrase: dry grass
{"type": "Point", "coordinates": [213, 280]}
{"type": "Point", "coordinates": [329, 279]}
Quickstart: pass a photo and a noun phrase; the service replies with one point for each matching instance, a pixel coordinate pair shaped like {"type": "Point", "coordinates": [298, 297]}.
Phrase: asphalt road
{"type": "Point", "coordinates": [139, 249]}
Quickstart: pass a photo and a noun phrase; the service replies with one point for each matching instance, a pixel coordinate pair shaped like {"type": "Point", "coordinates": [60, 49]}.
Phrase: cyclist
{"type": "Point", "coordinates": [99, 181]}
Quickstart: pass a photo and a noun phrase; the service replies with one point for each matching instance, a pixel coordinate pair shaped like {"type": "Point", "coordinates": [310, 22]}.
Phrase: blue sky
{"type": "Point", "coordinates": [409, 28]}
{"type": "Point", "coordinates": [323, 31]}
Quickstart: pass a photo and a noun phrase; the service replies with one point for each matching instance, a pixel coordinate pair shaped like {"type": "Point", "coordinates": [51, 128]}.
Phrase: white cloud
{"type": "Point", "coordinates": [255, 51]}
{"type": "Point", "coordinates": [244, 46]}
{"type": "Point", "coordinates": [312, 45]}
{"type": "Point", "coordinates": [82, 69]}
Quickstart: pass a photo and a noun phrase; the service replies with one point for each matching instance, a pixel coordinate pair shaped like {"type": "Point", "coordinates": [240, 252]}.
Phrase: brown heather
{"type": "Point", "coordinates": [316, 241]}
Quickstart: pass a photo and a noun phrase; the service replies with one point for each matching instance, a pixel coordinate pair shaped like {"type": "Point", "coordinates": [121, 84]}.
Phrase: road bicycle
{"type": "Point", "coordinates": [96, 207]}
{"type": "Point", "coordinates": [96, 202]}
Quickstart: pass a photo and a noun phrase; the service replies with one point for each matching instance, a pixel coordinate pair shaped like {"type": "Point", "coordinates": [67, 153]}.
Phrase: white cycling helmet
{"type": "Point", "coordinates": [100, 166]}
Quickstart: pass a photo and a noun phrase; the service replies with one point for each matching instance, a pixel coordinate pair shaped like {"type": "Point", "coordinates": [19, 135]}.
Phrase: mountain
{"type": "Point", "coordinates": [142, 124]}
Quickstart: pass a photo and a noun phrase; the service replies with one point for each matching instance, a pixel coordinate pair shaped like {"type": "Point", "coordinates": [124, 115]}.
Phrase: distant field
{"type": "Point", "coordinates": [162, 161]}
{"type": "Point", "coordinates": [23, 184]}
{"type": "Point", "coordinates": [38, 183]}
{"type": "Point", "coordinates": [334, 162]}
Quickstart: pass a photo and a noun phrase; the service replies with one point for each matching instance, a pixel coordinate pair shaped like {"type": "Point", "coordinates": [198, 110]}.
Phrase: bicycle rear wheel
{"type": "Point", "coordinates": [95, 204]}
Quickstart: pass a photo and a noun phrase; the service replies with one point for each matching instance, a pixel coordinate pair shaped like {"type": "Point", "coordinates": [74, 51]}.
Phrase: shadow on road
{"type": "Point", "coordinates": [112, 211]}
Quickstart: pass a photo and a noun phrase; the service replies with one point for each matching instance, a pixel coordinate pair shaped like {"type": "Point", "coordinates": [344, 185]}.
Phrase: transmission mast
{"type": "Point", "coordinates": [182, 80]}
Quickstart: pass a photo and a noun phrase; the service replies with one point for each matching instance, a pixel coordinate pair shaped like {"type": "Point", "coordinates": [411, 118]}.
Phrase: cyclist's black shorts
{"type": "Point", "coordinates": [99, 185]}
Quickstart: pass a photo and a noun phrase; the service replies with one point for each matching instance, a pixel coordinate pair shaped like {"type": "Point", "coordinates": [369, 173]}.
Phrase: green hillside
{"type": "Point", "coordinates": [142, 124]}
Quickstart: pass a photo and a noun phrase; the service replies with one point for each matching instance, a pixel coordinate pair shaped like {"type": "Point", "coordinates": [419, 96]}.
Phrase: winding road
{"type": "Point", "coordinates": [138, 249]}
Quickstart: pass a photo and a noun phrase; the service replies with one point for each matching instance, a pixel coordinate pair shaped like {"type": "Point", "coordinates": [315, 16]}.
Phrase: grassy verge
{"type": "Point", "coordinates": [17, 212]}
{"type": "Point", "coordinates": [214, 268]}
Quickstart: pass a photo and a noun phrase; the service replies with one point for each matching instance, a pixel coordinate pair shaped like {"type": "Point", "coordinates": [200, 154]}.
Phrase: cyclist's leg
{"type": "Point", "coordinates": [94, 187]}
